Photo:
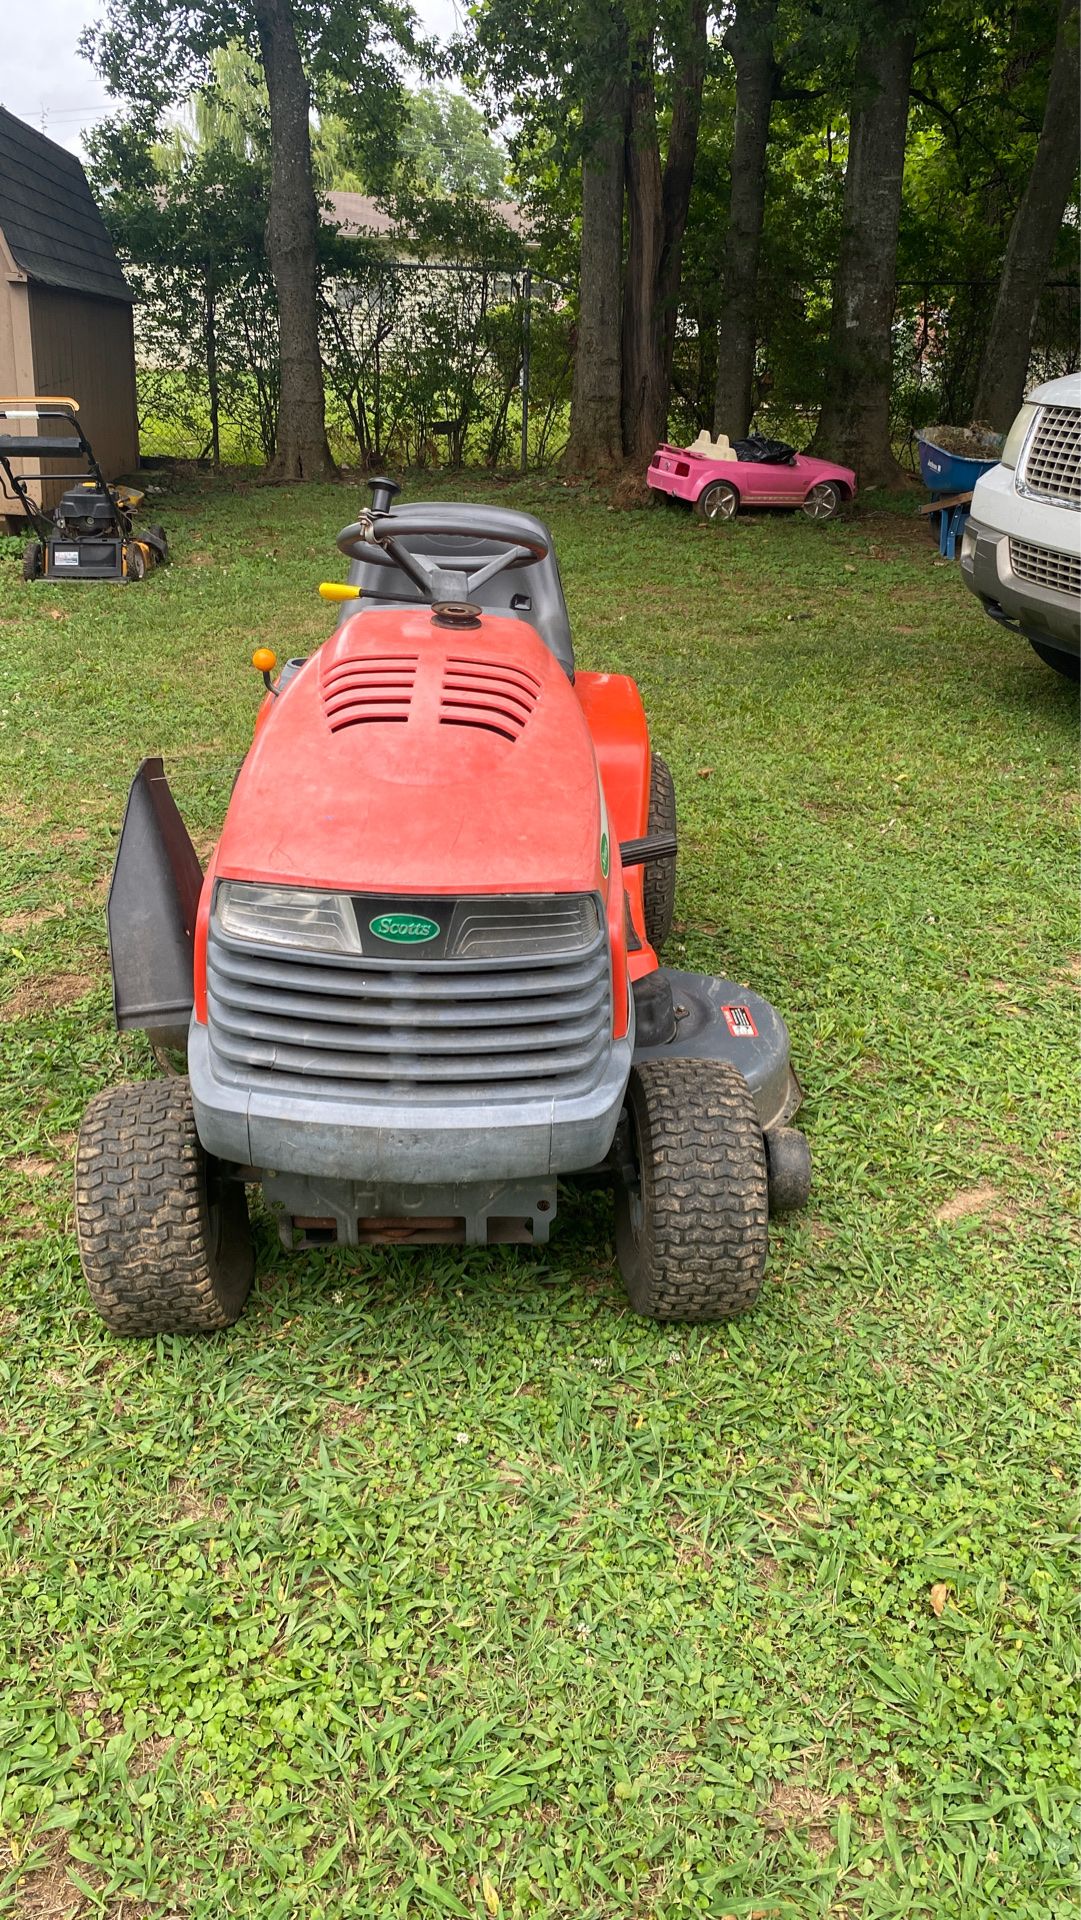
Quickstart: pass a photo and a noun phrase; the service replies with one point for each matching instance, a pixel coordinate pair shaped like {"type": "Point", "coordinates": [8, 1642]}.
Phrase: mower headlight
{"type": "Point", "coordinates": [517, 928]}
{"type": "Point", "coordinates": [287, 917]}
{"type": "Point", "coordinates": [1015, 439]}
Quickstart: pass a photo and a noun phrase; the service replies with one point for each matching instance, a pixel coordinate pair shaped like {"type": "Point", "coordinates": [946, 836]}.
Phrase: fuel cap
{"type": "Point", "coordinates": [455, 613]}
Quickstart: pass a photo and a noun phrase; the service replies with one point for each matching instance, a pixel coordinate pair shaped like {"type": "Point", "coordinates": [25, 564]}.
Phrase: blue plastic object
{"type": "Point", "coordinates": [946, 472]}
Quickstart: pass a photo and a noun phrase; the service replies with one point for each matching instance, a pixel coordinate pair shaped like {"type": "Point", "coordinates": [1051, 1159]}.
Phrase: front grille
{"type": "Point", "coordinates": [401, 1029]}
{"type": "Point", "coordinates": [1046, 568]}
{"type": "Point", "coordinates": [1053, 465]}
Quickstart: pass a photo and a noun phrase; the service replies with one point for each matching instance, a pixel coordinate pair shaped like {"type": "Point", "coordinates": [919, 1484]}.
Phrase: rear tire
{"type": "Point", "coordinates": [691, 1240]}
{"type": "Point", "coordinates": [33, 560]}
{"type": "Point", "coordinates": [718, 501]}
{"type": "Point", "coordinates": [659, 879]}
{"type": "Point", "coordinates": [164, 1239]}
{"type": "Point", "coordinates": [1068, 664]}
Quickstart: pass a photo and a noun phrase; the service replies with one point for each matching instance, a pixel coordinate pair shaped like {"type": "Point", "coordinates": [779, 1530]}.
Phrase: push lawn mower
{"type": "Point", "coordinates": [88, 535]}
{"type": "Point", "coordinates": [418, 984]}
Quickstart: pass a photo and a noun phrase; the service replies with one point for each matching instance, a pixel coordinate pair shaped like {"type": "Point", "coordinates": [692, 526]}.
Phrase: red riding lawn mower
{"type": "Point", "coordinates": [418, 986]}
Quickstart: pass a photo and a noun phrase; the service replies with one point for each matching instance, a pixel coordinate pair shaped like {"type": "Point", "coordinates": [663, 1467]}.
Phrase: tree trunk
{"type": "Point", "coordinates": [210, 338]}
{"type": "Point", "coordinates": [301, 452]}
{"type": "Point", "coordinates": [749, 41]}
{"type": "Point", "coordinates": [1035, 229]}
{"type": "Point", "coordinates": [658, 205]}
{"type": "Point", "coordinates": [644, 398]}
{"type": "Point", "coordinates": [595, 435]}
{"type": "Point", "coordinates": [854, 425]}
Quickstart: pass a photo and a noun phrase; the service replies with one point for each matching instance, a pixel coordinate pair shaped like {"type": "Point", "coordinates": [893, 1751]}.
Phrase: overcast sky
{"type": "Point", "coordinates": [45, 81]}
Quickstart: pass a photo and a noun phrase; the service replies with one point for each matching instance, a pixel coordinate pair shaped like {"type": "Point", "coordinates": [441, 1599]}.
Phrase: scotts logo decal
{"type": "Point", "coordinates": [605, 858]}
{"type": "Point", "coordinates": [407, 929]}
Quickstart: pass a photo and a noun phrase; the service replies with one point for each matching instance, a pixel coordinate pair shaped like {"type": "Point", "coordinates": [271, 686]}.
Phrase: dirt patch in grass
{"type": "Point", "coordinates": [793, 1804]}
{"type": "Point", "coordinates": [30, 917]}
{"type": "Point", "coordinates": [980, 1199]}
{"type": "Point", "coordinates": [192, 1502]}
{"type": "Point", "coordinates": [46, 1893]}
{"type": "Point", "coordinates": [44, 993]}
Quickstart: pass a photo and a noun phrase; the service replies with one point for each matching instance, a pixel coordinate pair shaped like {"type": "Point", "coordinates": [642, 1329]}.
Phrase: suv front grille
{"type": "Point", "coordinates": [1053, 465]}
{"type": "Point", "coordinates": [388, 1031]}
{"type": "Point", "coordinates": [1046, 568]}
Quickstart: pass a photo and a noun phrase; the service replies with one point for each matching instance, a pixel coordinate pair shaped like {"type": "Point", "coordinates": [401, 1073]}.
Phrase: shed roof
{"type": "Point", "coordinates": [49, 217]}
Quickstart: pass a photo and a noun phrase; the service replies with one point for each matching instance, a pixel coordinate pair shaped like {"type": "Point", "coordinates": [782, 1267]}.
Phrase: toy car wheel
{"type": "Point", "coordinates": [163, 1236]}
{"type": "Point", "coordinates": [135, 559]}
{"type": "Point", "coordinates": [691, 1228]}
{"type": "Point", "coordinates": [33, 560]}
{"type": "Point", "coordinates": [659, 878]}
{"type": "Point", "coordinates": [719, 501]}
{"type": "Point", "coordinates": [823, 501]}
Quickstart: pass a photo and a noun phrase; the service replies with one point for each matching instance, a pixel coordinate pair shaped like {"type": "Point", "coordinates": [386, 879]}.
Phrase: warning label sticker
{"type": "Point", "coordinates": [739, 1022]}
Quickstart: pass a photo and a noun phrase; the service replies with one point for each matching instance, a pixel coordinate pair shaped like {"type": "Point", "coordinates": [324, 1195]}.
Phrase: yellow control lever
{"type": "Point", "coordinates": [337, 590]}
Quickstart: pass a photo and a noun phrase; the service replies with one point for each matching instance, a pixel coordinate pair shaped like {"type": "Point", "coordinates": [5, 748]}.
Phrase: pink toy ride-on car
{"type": "Point", "coordinates": [717, 482]}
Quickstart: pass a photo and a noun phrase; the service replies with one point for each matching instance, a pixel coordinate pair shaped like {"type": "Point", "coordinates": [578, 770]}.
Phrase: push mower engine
{"type": "Point", "coordinates": [419, 985]}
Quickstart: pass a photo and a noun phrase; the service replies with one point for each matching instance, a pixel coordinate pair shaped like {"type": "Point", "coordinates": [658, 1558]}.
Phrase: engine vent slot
{"type": "Point", "coordinates": [369, 689]}
{"type": "Point", "coordinates": [489, 694]}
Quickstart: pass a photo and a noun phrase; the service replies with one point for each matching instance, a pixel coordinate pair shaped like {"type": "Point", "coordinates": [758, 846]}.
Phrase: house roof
{"type": "Point", "coordinates": [355, 213]}
{"type": "Point", "coordinates": [48, 216]}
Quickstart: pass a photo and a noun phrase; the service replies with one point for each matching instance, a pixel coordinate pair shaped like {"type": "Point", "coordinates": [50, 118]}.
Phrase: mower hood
{"type": "Point", "coordinates": [409, 757]}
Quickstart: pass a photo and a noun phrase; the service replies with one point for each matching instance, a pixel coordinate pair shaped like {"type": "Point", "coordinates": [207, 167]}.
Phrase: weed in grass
{"type": "Point", "coordinates": [443, 1586]}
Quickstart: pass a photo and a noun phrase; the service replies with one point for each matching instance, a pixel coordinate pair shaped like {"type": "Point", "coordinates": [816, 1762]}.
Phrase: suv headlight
{"type": "Point", "coordinates": [1015, 439]}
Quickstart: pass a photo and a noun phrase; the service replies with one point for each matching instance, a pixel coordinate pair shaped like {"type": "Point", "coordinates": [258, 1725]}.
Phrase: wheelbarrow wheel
{"type": "Point", "coordinates": [692, 1224]}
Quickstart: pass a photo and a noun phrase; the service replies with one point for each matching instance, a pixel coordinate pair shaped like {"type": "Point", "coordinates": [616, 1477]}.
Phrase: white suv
{"type": "Point", "coordinates": [1021, 548]}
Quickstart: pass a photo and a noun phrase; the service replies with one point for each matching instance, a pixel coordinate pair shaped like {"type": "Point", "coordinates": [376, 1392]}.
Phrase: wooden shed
{"type": "Point", "coordinates": [65, 306]}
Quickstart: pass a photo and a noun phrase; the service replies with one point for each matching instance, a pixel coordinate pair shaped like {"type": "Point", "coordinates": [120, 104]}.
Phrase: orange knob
{"type": "Point", "coordinates": [264, 660]}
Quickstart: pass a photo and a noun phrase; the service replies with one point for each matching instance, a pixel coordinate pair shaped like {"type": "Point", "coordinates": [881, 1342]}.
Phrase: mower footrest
{"type": "Point", "coordinates": [316, 1212]}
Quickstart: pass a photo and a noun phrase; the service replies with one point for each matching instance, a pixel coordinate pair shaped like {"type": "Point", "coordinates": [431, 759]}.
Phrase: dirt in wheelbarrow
{"type": "Point", "coordinates": [974, 442]}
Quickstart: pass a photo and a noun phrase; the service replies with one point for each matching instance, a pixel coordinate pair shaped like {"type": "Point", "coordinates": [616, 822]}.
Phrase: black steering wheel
{"type": "Point", "coordinates": [376, 537]}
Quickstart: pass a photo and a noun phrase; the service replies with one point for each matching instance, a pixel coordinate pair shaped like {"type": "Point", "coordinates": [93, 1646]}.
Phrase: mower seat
{"type": "Point", "coordinates": [533, 594]}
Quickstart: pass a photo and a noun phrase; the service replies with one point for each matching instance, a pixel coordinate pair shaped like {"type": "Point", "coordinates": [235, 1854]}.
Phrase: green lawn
{"type": "Point", "coordinates": [441, 1585]}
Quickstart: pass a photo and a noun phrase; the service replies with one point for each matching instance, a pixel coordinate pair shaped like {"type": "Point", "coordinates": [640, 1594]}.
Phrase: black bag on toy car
{"type": "Point", "coordinates": [759, 447]}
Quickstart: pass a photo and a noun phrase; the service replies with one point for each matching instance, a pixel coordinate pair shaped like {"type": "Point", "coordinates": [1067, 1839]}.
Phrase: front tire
{"type": "Point", "coordinates": [1068, 664]}
{"type": "Point", "coordinates": [691, 1236]}
{"type": "Point", "coordinates": [823, 501]}
{"type": "Point", "coordinates": [164, 1238]}
{"type": "Point", "coordinates": [718, 501]}
{"type": "Point", "coordinates": [659, 879]}
{"type": "Point", "coordinates": [33, 560]}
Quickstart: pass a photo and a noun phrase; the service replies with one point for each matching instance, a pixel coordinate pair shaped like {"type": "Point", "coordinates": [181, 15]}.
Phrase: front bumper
{"type": "Point", "coordinates": [1040, 612]}
{"type": "Point", "coordinates": [413, 1144]}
